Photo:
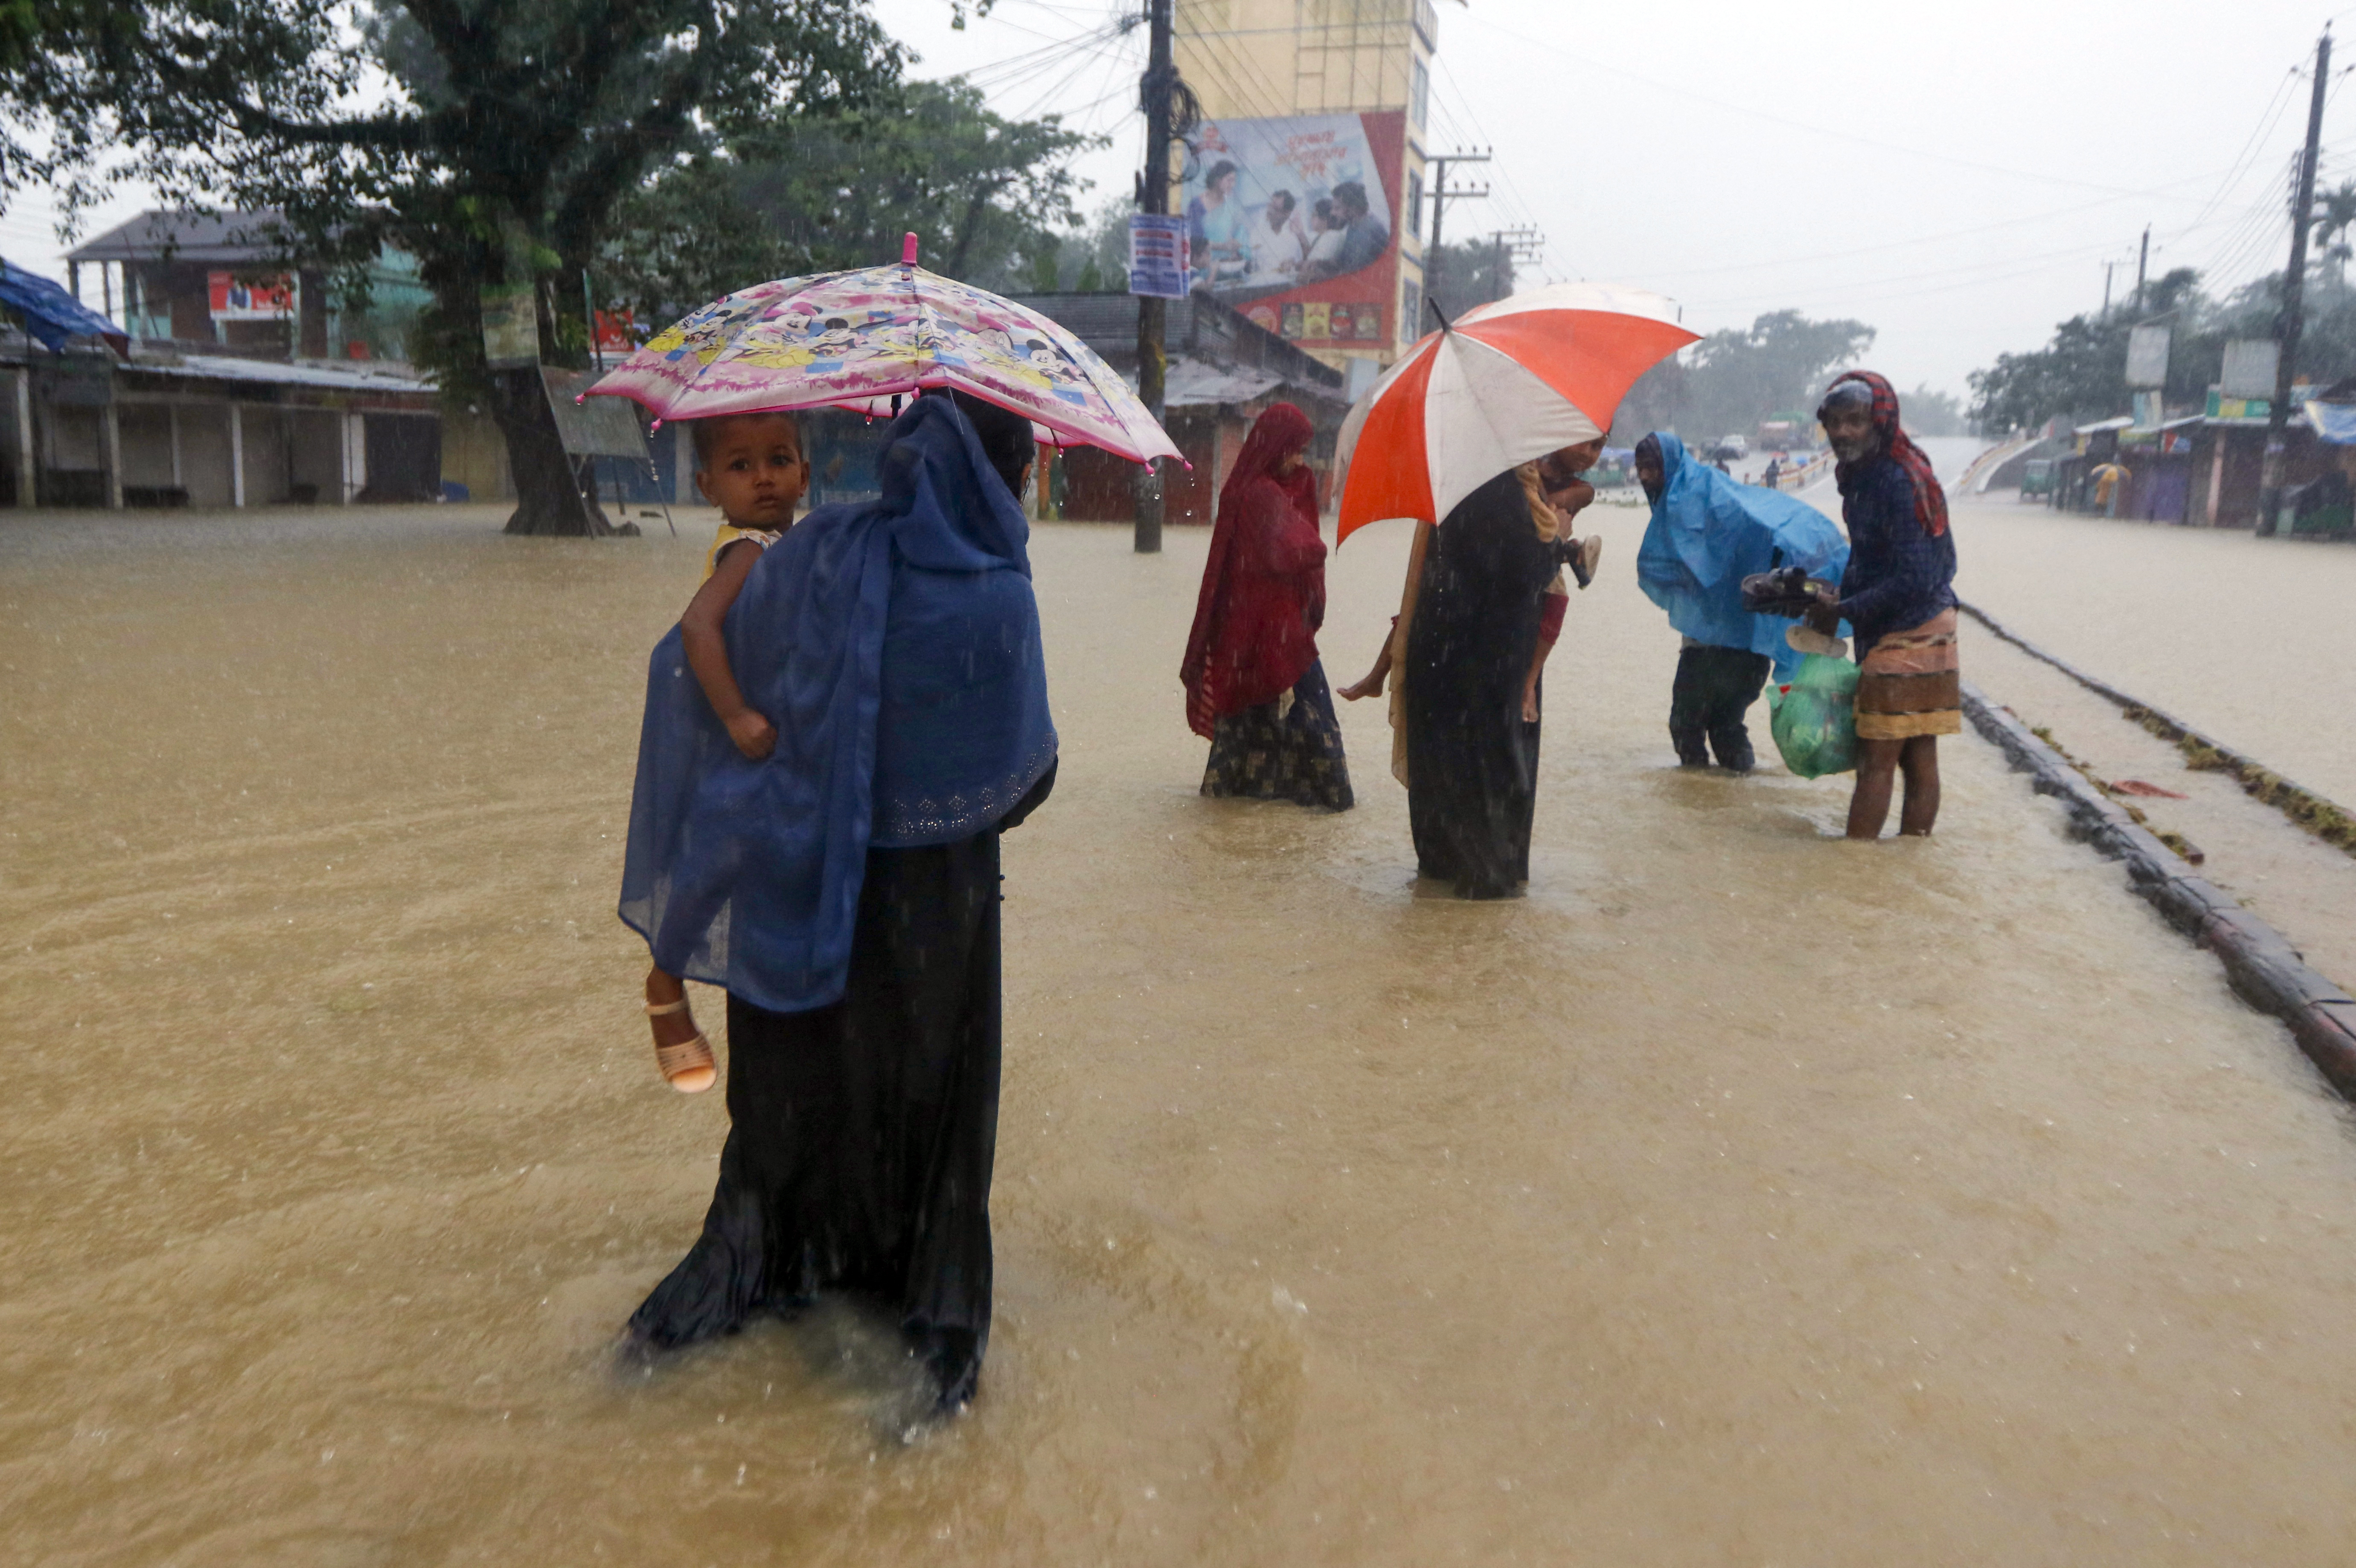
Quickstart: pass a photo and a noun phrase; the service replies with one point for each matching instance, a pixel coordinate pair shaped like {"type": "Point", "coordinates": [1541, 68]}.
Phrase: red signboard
{"type": "Point", "coordinates": [617, 332]}
{"type": "Point", "coordinates": [238, 298]}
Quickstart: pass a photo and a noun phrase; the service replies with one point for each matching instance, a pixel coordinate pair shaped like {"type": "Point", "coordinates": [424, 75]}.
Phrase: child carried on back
{"type": "Point", "coordinates": [751, 466]}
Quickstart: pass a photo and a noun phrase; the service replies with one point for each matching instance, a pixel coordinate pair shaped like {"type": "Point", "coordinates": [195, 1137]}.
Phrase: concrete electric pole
{"type": "Point", "coordinates": [1152, 313]}
{"type": "Point", "coordinates": [1441, 196]}
{"type": "Point", "coordinates": [2302, 213]}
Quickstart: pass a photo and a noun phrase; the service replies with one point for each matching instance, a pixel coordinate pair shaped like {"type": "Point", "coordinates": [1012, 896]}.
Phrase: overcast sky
{"type": "Point", "coordinates": [1953, 175]}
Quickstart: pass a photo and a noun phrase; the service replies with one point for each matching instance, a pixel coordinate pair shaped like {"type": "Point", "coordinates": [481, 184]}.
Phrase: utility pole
{"type": "Point", "coordinates": [1517, 245]}
{"type": "Point", "coordinates": [1152, 313]}
{"type": "Point", "coordinates": [2143, 265]}
{"type": "Point", "coordinates": [1441, 196]}
{"type": "Point", "coordinates": [2108, 267]}
{"type": "Point", "coordinates": [2302, 211]}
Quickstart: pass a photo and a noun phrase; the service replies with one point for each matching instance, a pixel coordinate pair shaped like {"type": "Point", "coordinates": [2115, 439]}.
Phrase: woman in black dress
{"type": "Point", "coordinates": [1468, 755]}
{"type": "Point", "coordinates": [845, 891]}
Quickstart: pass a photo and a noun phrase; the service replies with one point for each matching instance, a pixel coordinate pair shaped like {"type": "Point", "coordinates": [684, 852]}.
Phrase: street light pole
{"type": "Point", "coordinates": [1153, 196]}
{"type": "Point", "coordinates": [2302, 212]}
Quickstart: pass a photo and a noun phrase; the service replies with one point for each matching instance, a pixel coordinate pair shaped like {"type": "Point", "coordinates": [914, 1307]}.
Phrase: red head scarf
{"type": "Point", "coordinates": [1263, 593]}
{"type": "Point", "coordinates": [1930, 500]}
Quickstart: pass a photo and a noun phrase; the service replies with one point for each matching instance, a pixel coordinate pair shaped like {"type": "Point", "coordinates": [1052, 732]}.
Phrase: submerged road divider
{"type": "Point", "coordinates": [2266, 970]}
{"type": "Point", "coordinates": [2321, 816]}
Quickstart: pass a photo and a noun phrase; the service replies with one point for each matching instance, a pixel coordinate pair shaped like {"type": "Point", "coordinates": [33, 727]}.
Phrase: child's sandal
{"type": "Point", "coordinates": [688, 1066]}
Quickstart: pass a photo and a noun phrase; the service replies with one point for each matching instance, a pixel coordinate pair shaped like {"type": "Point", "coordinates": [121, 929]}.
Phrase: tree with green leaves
{"type": "Point", "coordinates": [1732, 381]}
{"type": "Point", "coordinates": [985, 196]}
{"type": "Point", "coordinates": [2335, 215]}
{"type": "Point", "coordinates": [2081, 373]}
{"type": "Point", "coordinates": [498, 146]}
{"type": "Point", "coordinates": [1456, 277]}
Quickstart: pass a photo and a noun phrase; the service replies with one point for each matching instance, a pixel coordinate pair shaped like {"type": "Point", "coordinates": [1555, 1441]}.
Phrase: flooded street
{"type": "Point", "coordinates": [2249, 638]}
{"type": "Point", "coordinates": [1743, 1195]}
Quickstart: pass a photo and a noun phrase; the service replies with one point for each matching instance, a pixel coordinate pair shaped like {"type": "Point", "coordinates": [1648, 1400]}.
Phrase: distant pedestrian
{"type": "Point", "coordinates": [1773, 479]}
{"type": "Point", "coordinates": [1899, 597]}
{"type": "Point", "coordinates": [1255, 688]}
{"type": "Point", "coordinates": [2110, 479]}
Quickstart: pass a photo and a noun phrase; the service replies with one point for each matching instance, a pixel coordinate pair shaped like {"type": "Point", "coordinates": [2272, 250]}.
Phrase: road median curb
{"type": "Point", "coordinates": [2264, 969]}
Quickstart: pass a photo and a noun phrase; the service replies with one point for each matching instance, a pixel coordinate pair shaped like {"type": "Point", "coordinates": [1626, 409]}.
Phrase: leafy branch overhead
{"type": "Point", "coordinates": [985, 195]}
{"type": "Point", "coordinates": [677, 148]}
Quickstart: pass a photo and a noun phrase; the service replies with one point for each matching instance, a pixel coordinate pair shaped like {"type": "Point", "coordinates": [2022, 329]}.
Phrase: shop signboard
{"type": "Point", "coordinates": [235, 297]}
{"type": "Point", "coordinates": [1295, 222]}
{"type": "Point", "coordinates": [2147, 357]}
{"type": "Point", "coordinates": [2249, 368]}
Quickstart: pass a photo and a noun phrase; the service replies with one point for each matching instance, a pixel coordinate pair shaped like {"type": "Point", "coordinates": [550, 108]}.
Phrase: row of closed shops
{"type": "Point", "coordinates": [86, 429]}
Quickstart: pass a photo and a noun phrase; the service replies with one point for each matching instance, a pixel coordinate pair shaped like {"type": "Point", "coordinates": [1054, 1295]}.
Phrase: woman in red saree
{"type": "Point", "coordinates": [1254, 688]}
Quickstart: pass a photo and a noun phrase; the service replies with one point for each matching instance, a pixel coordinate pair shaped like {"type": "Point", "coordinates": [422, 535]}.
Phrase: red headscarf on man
{"type": "Point", "coordinates": [1930, 500]}
{"type": "Point", "coordinates": [1263, 593]}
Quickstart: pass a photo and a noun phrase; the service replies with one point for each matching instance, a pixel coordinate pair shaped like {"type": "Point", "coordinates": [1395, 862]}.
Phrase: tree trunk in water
{"type": "Point", "coordinates": [548, 497]}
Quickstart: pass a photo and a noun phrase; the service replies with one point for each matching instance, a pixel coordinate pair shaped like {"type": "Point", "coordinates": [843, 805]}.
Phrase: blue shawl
{"type": "Point", "coordinates": [1708, 533]}
{"type": "Point", "coordinates": [895, 646]}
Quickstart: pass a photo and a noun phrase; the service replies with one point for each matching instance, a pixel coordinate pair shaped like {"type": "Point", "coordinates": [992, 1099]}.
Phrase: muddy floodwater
{"type": "Point", "coordinates": [1742, 1195]}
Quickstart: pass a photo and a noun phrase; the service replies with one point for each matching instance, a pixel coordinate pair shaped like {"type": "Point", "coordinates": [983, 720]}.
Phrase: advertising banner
{"type": "Point", "coordinates": [2147, 357]}
{"type": "Point", "coordinates": [2249, 369]}
{"type": "Point", "coordinates": [617, 332]}
{"type": "Point", "coordinates": [250, 299]}
{"type": "Point", "coordinates": [1157, 257]}
{"type": "Point", "coordinates": [1296, 222]}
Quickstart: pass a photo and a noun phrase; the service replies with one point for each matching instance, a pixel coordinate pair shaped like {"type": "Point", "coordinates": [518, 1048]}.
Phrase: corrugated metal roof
{"type": "Point", "coordinates": [370, 376]}
{"type": "Point", "coordinates": [185, 236]}
{"type": "Point", "coordinates": [1193, 384]}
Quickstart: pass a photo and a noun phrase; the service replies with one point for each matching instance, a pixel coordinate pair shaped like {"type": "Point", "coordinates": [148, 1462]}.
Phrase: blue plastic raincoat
{"type": "Point", "coordinates": [1708, 533]}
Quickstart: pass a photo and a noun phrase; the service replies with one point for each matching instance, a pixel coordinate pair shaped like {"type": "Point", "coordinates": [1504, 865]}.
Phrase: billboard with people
{"type": "Point", "coordinates": [1296, 221]}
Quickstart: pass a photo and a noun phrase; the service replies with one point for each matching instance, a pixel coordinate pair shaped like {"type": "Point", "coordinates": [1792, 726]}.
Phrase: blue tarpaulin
{"type": "Point", "coordinates": [2334, 423]}
{"type": "Point", "coordinates": [52, 314]}
{"type": "Point", "coordinates": [1708, 533]}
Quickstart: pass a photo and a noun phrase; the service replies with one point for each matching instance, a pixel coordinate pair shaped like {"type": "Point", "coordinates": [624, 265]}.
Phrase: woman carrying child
{"type": "Point", "coordinates": [1255, 688]}
{"type": "Point", "coordinates": [844, 887]}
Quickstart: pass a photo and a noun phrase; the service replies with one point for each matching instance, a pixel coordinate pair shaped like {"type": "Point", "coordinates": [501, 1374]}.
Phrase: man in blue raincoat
{"type": "Point", "coordinates": [1708, 531]}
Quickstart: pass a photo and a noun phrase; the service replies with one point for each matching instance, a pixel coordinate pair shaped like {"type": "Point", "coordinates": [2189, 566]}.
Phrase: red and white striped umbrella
{"type": "Point", "coordinates": [1505, 383]}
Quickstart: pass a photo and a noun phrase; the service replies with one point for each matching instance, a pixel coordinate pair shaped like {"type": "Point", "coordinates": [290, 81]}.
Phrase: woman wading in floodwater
{"type": "Point", "coordinates": [1467, 643]}
{"type": "Point", "coordinates": [845, 891]}
{"type": "Point", "coordinates": [1255, 688]}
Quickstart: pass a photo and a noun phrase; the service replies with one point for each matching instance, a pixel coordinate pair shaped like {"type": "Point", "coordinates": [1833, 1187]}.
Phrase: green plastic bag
{"type": "Point", "coordinates": [1814, 720]}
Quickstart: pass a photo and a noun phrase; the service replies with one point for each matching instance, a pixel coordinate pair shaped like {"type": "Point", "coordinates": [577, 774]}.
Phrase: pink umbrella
{"type": "Point", "coordinates": [861, 340]}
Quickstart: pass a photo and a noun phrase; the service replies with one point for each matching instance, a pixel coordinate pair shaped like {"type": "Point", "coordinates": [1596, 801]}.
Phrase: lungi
{"type": "Point", "coordinates": [1909, 684]}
